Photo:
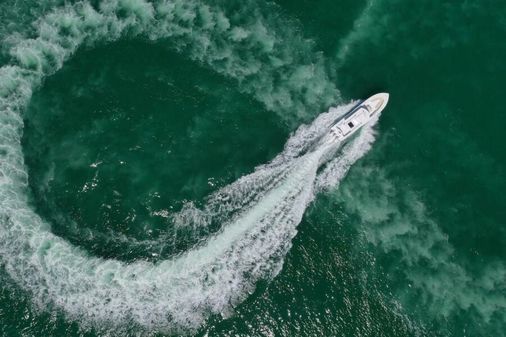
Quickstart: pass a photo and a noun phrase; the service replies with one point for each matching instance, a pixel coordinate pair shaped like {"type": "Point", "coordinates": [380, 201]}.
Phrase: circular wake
{"type": "Point", "coordinates": [259, 212]}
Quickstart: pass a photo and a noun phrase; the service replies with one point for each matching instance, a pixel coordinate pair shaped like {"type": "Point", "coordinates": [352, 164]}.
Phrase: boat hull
{"type": "Point", "coordinates": [358, 117]}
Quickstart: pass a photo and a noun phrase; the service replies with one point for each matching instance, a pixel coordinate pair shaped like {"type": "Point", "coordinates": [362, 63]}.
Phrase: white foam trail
{"type": "Point", "coordinates": [176, 294]}
{"type": "Point", "coordinates": [262, 211]}
{"type": "Point", "coordinates": [248, 43]}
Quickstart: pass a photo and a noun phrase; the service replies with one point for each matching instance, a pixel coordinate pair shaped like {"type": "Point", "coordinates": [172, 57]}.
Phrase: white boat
{"type": "Point", "coordinates": [357, 117]}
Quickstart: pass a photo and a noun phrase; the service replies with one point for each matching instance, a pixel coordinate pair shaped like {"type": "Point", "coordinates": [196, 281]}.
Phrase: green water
{"type": "Point", "coordinates": [133, 128]}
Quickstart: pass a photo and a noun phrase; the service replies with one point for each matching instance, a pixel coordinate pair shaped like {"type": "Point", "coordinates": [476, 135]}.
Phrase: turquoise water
{"type": "Point", "coordinates": [152, 181]}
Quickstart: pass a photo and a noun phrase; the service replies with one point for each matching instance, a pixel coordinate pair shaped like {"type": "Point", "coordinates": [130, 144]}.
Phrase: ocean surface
{"type": "Point", "coordinates": [162, 171]}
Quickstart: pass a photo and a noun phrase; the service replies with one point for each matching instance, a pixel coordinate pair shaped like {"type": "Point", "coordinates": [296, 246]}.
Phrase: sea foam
{"type": "Point", "coordinates": [259, 212]}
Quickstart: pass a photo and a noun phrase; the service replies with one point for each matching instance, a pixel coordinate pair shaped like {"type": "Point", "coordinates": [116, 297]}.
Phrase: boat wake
{"type": "Point", "coordinates": [260, 213]}
{"type": "Point", "coordinates": [257, 215]}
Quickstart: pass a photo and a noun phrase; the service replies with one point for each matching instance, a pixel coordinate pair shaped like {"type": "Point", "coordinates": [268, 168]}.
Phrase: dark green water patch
{"type": "Point", "coordinates": [327, 22]}
{"type": "Point", "coordinates": [124, 135]}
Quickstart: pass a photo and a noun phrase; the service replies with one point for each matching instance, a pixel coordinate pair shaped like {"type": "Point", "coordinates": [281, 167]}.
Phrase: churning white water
{"type": "Point", "coordinates": [263, 210]}
{"type": "Point", "coordinates": [259, 212]}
